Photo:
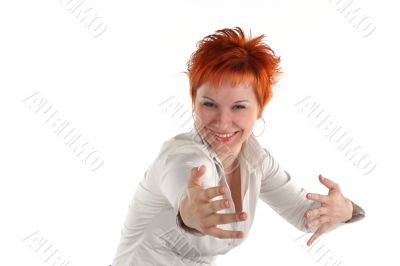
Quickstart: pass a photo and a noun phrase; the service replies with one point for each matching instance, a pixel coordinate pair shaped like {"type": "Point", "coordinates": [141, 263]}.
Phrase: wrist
{"type": "Point", "coordinates": [180, 222]}
{"type": "Point", "coordinates": [186, 228]}
{"type": "Point", "coordinates": [350, 210]}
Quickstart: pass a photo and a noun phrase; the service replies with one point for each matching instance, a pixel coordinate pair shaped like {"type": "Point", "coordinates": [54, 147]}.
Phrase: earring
{"type": "Point", "coordinates": [262, 130]}
{"type": "Point", "coordinates": [194, 120]}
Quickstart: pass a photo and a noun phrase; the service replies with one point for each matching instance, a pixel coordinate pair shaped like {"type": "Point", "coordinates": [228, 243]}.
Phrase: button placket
{"type": "Point", "coordinates": [223, 182]}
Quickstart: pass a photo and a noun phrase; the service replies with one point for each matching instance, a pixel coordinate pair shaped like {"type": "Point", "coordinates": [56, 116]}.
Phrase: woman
{"type": "Point", "coordinates": [198, 198]}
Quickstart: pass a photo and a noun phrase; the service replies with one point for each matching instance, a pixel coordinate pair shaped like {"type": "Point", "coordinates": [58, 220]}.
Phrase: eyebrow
{"type": "Point", "coordinates": [234, 102]}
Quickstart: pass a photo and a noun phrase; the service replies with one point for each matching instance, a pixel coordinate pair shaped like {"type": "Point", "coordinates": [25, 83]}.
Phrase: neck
{"type": "Point", "coordinates": [230, 164]}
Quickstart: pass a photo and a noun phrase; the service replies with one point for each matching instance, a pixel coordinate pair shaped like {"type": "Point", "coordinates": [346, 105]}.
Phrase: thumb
{"type": "Point", "coordinates": [195, 176]}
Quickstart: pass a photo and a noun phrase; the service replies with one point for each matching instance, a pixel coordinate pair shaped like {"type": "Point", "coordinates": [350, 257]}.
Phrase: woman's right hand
{"type": "Point", "coordinates": [198, 211]}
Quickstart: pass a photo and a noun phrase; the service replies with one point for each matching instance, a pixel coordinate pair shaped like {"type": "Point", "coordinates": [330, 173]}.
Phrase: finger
{"type": "Point", "coordinates": [217, 205]}
{"type": "Point", "coordinates": [318, 221]}
{"type": "Point", "coordinates": [328, 183]}
{"type": "Point", "coordinates": [317, 234]}
{"type": "Point", "coordinates": [213, 192]}
{"type": "Point", "coordinates": [315, 212]}
{"type": "Point", "coordinates": [218, 232]}
{"type": "Point", "coordinates": [195, 176]}
{"type": "Point", "coordinates": [215, 219]}
{"type": "Point", "coordinates": [318, 197]}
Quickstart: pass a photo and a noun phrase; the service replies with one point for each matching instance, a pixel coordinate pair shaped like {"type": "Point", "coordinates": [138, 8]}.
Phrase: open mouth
{"type": "Point", "coordinates": [223, 137]}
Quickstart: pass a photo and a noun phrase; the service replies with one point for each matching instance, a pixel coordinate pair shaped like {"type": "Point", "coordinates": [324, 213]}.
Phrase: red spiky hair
{"type": "Point", "coordinates": [229, 54]}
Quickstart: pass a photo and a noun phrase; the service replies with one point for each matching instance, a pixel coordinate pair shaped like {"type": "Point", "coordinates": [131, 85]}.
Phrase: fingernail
{"type": "Point", "coordinates": [198, 168]}
{"type": "Point", "coordinates": [243, 216]}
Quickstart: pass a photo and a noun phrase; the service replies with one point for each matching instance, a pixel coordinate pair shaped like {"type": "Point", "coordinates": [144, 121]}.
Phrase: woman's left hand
{"type": "Point", "coordinates": [335, 208]}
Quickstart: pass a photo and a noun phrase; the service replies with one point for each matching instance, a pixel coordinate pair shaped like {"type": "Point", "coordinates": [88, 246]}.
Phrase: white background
{"type": "Point", "coordinates": [110, 87]}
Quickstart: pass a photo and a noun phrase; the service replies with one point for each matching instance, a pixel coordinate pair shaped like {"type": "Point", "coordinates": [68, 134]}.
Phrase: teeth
{"type": "Point", "coordinates": [224, 135]}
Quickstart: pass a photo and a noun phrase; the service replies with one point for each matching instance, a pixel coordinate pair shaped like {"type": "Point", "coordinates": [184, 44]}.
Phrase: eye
{"type": "Point", "coordinates": [240, 107]}
{"type": "Point", "coordinates": [208, 104]}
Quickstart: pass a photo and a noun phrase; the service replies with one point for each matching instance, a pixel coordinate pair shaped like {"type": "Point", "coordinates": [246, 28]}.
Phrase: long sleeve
{"type": "Point", "coordinates": [283, 194]}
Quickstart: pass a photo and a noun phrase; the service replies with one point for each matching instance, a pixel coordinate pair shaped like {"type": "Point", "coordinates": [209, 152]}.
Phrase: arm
{"type": "Point", "coordinates": [283, 194]}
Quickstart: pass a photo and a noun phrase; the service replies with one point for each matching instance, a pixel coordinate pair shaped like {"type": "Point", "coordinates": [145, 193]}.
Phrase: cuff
{"type": "Point", "coordinates": [358, 213]}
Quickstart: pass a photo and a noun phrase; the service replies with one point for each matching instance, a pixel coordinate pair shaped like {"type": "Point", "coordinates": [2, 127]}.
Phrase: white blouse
{"type": "Point", "coordinates": [150, 234]}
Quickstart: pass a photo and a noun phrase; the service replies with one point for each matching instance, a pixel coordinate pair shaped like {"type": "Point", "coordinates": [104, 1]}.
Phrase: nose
{"type": "Point", "coordinates": [224, 119]}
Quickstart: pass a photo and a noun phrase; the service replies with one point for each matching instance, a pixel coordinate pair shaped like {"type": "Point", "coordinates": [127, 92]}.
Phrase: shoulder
{"type": "Point", "coordinates": [180, 154]}
{"type": "Point", "coordinates": [184, 148]}
{"type": "Point", "coordinates": [254, 153]}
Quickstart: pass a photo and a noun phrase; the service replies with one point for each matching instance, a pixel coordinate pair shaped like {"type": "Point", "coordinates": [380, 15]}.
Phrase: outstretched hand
{"type": "Point", "coordinates": [335, 208]}
{"type": "Point", "coordinates": [200, 212]}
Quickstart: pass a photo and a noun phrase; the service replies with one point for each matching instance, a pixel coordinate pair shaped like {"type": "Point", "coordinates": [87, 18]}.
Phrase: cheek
{"type": "Point", "coordinates": [246, 121]}
{"type": "Point", "coordinates": [204, 116]}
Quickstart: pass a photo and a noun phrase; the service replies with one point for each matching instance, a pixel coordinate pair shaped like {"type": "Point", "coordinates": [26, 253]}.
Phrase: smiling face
{"type": "Point", "coordinates": [225, 116]}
